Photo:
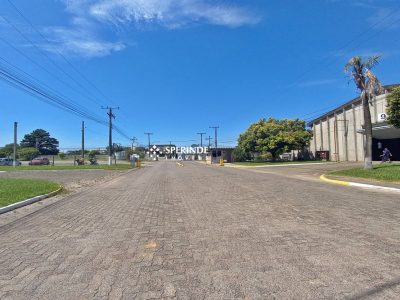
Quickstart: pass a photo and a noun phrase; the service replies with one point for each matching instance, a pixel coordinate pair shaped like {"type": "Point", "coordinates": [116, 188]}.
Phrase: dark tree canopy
{"type": "Point", "coordinates": [393, 108]}
{"type": "Point", "coordinates": [41, 140]}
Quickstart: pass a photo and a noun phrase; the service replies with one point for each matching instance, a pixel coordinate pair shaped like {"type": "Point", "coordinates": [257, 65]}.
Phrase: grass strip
{"type": "Point", "coordinates": [269, 163]}
{"type": "Point", "coordinates": [15, 190]}
{"type": "Point", "coordinates": [67, 167]}
{"type": "Point", "coordinates": [383, 172]}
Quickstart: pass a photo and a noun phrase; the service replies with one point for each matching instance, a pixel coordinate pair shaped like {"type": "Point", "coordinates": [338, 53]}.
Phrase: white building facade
{"type": "Point", "coordinates": [339, 134]}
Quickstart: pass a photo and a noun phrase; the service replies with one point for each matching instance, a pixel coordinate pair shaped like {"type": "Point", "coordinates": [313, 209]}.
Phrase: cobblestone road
{"type": "Point", "coordinates": [200, 232]}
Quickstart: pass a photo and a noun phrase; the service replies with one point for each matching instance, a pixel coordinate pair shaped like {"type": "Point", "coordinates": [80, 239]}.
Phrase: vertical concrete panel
{"type": "Point", "coordinates": [318, 136]}
{"type": "Point", "coordinates": [354, 128]}
{"type": "Point", "coordinates": [360, 139]}
{"type": "Point", "coordinates": [380, 105]}
{"type": "Point", "coordinates": [332, 136]}
{"type": "Point", "coordinates": [341, 136]}
{"type": "Point", "coordinates": [313, 147]}
{"type": "Point", "coordinates": [350, 135]}
{"type": "Point", "coordinates": [325, 136]}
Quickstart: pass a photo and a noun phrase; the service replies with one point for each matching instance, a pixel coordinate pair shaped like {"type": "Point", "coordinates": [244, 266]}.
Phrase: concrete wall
{"type": "Point", "coordinates": [337, 131]}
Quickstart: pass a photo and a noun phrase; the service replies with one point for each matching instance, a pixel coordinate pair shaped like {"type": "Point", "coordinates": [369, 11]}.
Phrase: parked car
{"type": "Point", "coordinates": [39, 161]}
{"type": "Point", "coordinates": [9, 162]}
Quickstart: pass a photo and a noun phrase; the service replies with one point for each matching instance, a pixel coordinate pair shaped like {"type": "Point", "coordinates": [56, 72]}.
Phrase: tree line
{"type": "Point", "coordinates": [38, 142]}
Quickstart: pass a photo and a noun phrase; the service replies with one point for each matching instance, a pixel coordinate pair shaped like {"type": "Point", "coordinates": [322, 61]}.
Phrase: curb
{"type": "Point", "coordinates": [360, 185]}
{"type": "Point", "coordinates": [230, 165]}
{"type": "Point", "coordinates": [29, 201]}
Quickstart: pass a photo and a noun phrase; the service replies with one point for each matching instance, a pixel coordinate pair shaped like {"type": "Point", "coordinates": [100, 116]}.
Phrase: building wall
{"type": "Point", "coordinates": [337, 132]}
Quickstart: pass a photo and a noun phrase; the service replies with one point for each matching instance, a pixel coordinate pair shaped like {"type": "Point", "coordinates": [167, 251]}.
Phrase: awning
{"type": "Point", "coordinates": [383, 131]}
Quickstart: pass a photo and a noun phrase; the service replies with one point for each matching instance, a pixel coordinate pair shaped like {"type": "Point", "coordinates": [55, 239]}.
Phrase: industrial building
{"type": "Point", "coordinates": [338, 135]}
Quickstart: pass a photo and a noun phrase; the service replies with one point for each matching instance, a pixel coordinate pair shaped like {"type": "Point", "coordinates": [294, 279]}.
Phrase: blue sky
{"type": "Point", "coordinates": [176, 67]}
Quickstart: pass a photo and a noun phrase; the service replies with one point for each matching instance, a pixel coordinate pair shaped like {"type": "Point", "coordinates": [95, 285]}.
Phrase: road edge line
{"type": "Point", "coordinates": [360, 185]}
{"type": "Point", "coordinates": [29, 201]}
{"type": "Point", "coordinates": [323, 178]}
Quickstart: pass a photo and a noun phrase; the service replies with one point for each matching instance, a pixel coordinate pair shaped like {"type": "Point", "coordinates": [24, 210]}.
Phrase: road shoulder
{"type": "Point", "coordinates": [361, 183]}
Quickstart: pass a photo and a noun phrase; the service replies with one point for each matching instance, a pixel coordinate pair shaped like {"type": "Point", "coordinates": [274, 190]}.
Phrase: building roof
{"type": "Point", "coordinates": [387, 89]}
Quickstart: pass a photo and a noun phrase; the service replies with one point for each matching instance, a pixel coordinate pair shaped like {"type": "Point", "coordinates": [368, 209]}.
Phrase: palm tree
{"type": "Point", "coordinates": [369, 86]}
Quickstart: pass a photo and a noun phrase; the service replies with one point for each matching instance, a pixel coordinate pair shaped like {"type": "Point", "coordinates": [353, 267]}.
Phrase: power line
{"type": "Point", "coordinates": [45, 69]}
{"type": "Point", "coordinates": [36, 90]}
{"type": "Point", "coordinates": [26, 82]}
{"type": "Point", "coordinates": [85, 78]}
{"type": "Point", "coordinates": [45, 55]}
{"type": "Point", "coordinates": [331, 60]}
{"type": "Point", "coordinates": [352, 40]}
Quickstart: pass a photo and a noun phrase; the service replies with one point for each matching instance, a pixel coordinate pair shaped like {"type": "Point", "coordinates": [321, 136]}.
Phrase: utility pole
{"type": "Point", "coordinates": [133, 141]}
{"type": "Point", "coordinates": [209, 141]}
{"type": "Point", "coordinates": [148, 138]}
{"type": "Point", "coordinates": [15, 145]}
{"type": "Point", "coordinates": [215, 139]}
{"type": "Point", "coordinates": [83, 139]}
{"type": "Point", "coordinates": [201, 138]}
{"type": "Point", "coordinates": [110, 145]}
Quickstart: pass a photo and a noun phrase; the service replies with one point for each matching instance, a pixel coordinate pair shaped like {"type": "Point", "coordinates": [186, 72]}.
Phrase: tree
{"type": "Point", "coordinates": [369, 86]}
{"type": "Point", "coordinates": [393, 108]}
{"type": "Point", "coordinates": [28, 153]}
{"type": "Point", "coordinates": [240, 155]}
{"type": "Point", "coordinates": [274, 136]}
{"type": "Point", "coordinates": [41, 140]}
{"type": "Point", "coordinates": [7, 150]}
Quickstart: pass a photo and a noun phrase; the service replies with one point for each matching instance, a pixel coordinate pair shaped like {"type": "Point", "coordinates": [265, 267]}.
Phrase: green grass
{"type": "Point", "coordinates": [15, 190]}
{"type": "Point", "coordinates": [384, 172]}
{"type": "Point", "coordinates": [268, 163]}
{"type": "Point", "coordinates": [67, 167]}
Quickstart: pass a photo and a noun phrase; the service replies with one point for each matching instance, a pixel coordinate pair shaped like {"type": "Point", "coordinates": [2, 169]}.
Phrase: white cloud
{"type": "Point", "coordinates": [79, 42]}
{"type": "Point", "coordinates": [168, 13]}
{"type": "Point", "coordinates": [313, 83]}
{"type": "Point", "coordinates": [89, 18]}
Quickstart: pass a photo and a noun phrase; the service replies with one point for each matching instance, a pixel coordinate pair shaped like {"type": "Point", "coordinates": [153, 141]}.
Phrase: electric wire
{"type": "Point", "coordinates": [23, 81]}
{"type": "Point", "coordinates": [47, 56]}
{"type": "Point", "coordinates": [85, 78]}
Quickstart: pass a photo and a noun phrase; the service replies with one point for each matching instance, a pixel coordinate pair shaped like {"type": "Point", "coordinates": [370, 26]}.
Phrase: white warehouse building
{"type": "Point", "coordinates": [339, 135]}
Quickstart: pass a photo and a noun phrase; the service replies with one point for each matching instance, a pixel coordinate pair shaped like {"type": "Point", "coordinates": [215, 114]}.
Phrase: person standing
{"type": "Point", "coordinates": [386, 155]}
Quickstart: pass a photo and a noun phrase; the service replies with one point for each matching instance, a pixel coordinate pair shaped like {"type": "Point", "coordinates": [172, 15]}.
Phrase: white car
{"type": "Point", "coordinates": [8, 162]}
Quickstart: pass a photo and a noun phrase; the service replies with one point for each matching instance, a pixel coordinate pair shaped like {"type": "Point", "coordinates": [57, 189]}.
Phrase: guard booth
{"type": "Point", "coordinates": [225, 153]}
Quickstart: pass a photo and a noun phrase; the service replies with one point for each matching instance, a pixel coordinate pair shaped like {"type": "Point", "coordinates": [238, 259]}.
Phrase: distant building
{"type": "Point", "coordinates": [339, 134]}
{"type": "Point", "coordinates": [226, 153]}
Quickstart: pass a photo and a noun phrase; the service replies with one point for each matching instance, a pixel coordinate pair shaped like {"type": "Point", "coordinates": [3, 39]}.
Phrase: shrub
{"type": "Point", "coordinates": [28, 153]}
{"type": "Point", "coordinates": [393, 108]}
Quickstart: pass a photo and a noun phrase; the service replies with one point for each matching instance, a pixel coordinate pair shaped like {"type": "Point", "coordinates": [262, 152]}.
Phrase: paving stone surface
{"type": "Point", "coordinates": [201, 232]}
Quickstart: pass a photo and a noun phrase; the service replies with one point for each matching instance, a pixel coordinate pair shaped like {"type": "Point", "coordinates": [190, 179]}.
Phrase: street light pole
{"type": "Point", "coordinates": [15, 145]}
{"type": "Point", "coordinates": [148, 139]}
{"type": "Point", "coordinates": [133, 141]}
{"type": "Point", "coordinates": [209, 142]}
{"type": "Point", "coordinates": [201, 138]}
{"type": "Point", "coordinates": [110, 146]}
{"type": "Point", "coordinates": [216, 139]}
{"type": "Point", "coordinates": [83, 139]}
